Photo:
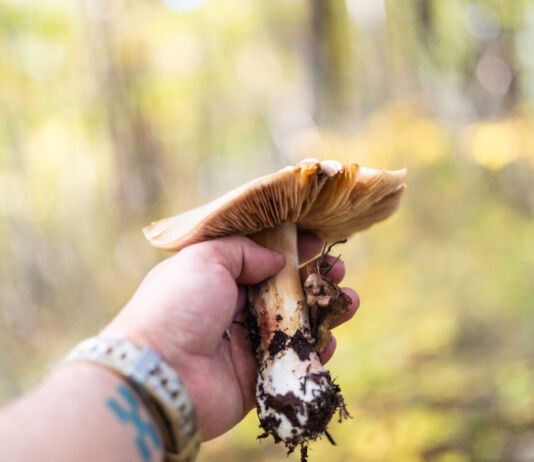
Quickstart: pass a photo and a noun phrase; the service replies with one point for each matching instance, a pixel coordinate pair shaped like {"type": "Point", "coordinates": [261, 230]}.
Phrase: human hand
{"type": "Point", "coordinates": [185, 304]}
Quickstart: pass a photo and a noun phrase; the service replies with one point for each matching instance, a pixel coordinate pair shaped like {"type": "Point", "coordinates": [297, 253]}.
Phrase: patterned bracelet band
{"type": "Point", "coordinates": [158, 385]}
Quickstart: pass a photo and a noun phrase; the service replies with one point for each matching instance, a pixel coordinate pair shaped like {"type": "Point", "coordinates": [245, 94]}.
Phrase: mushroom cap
{"type": "Point", "coordinates": [326, 198]}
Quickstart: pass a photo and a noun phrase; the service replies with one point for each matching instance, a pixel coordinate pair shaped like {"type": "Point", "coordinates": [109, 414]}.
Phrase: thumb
{"type": "Point", "coordinates": [246, 261]}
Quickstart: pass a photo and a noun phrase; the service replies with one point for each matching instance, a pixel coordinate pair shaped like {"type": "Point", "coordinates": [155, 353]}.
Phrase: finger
{"type": "Point", "coordinates": [241, 299]}
{"type": "Point", "coordinates": [246, 261]}
{"type": "Point", "coordinates": [244, 360]}
{"type": "Point", "coordinates": [336, 273]}
{"type": "Point", "coordinates": [328, 352]}
{"type": "Point", "coordinates": [309, 245]}
{"type": "Point", "coordinates": [353, 307]}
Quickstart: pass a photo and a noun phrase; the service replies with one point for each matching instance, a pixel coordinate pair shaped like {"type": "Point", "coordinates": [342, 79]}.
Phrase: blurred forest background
{"type": "Point", "coordinates": [117, 112]}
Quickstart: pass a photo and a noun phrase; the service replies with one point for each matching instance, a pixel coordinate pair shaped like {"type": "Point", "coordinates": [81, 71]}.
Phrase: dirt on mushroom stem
{"type": "Point", "coordinates": [296, 398]}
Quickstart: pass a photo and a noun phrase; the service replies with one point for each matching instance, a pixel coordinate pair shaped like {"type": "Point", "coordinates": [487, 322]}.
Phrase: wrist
{"type": "Point", "coordinates": [71, 406]}
{"type": "Point", "coordinates": [158, 386]}
{"type": "Point", "coordinates": [131, 423]}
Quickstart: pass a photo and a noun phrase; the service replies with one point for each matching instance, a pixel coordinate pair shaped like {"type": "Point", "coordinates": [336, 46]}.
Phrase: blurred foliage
{"type": "Point", "coordinates": [117, 112]}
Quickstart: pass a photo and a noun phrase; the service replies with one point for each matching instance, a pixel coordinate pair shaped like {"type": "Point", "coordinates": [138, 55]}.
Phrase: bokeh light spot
{"type": "Point", "coordinates": [494, 75]}
{"type": "Point", "coordinates": [182, 6]}
{"type": "Point", "coordinates": [482, 21]}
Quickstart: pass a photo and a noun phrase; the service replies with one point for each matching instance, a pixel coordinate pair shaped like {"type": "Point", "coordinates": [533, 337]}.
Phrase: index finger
{"type": "Point", "coordinates": [309, 246]}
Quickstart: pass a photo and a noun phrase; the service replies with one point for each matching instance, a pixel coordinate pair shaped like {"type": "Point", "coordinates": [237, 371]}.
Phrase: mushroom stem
{"type": "Point", "coordinates": [295, 396]}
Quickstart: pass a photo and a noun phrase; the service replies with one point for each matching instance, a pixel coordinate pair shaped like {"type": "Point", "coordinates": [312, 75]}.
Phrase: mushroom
{"type": "Point", "coordinates": [296, 398]}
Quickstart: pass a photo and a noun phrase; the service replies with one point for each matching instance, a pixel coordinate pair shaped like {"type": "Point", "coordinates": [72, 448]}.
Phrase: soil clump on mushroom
{"type": "Point", "coordinates": [326, 301]}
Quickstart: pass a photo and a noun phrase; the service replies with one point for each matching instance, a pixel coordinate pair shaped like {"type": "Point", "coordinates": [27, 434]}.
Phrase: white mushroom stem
{"type": "Point", "coordinates": [295, 395]}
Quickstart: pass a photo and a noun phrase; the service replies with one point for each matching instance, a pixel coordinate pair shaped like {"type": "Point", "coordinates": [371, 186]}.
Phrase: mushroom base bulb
{"type": "Point", "coordinates": [295, 396]}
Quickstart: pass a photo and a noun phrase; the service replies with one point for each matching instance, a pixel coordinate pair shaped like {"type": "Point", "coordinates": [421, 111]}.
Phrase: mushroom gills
{"type": "Point", "coordinates": [296, 398]}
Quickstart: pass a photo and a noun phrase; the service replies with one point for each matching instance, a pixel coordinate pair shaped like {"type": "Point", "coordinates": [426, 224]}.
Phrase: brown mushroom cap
{"type": "Point", "coordinates": [327, 198]}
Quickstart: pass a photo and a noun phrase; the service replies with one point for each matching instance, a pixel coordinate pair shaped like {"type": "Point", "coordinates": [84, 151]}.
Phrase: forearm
{"type": "Point", "coordinates": [81, 412]}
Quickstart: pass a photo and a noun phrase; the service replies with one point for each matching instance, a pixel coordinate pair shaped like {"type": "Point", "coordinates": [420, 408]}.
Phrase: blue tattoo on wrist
{"type": "Point", "coordinates": [145, 429]}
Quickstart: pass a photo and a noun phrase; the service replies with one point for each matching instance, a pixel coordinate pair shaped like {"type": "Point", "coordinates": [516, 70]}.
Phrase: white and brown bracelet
{"type": "Point", "coordinates": [158, 385]}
